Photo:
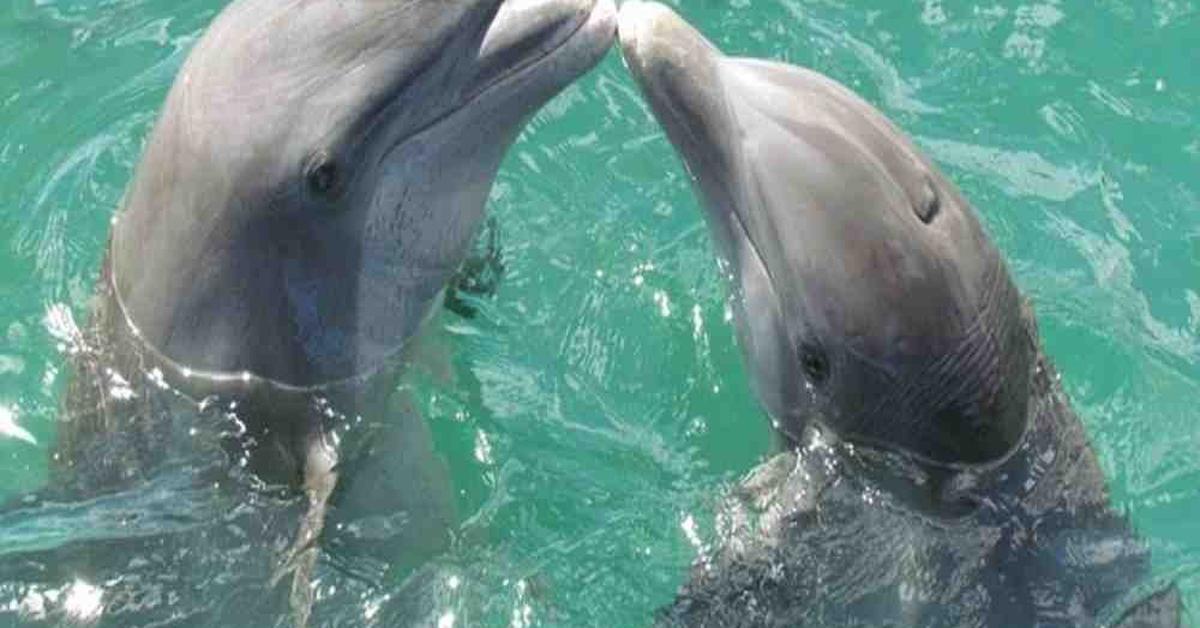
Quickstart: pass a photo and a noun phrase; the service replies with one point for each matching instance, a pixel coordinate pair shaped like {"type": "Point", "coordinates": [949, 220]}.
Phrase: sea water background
{"type": "Point", "coordinates": [597, 407]}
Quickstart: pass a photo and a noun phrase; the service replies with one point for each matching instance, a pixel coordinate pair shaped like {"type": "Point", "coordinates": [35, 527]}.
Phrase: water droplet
{"type": "Point", "coordinates": [83, 601]}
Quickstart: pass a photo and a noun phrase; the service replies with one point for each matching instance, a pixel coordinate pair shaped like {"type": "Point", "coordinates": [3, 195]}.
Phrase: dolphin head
{"type": "Point", "coordinates": [320, 169]}
{"type": "Point", "coordinates": [869, 300]}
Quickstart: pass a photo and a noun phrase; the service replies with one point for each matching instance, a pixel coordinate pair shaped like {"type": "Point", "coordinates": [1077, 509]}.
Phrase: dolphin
{"type": "Point", "coordinates": [315, 178]}
{"type": "Point", "coordinates": [933, 472]}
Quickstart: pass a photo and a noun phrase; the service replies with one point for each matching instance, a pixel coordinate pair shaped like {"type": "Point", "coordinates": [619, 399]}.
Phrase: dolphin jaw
{"type": "Point", "coordinates": [583, 27]}
{"type": "Point", "coordinates": [656, 42]}
{"type": "Point", "coordinates": [634, 23]}
{"type": "Point", "coordinates": [547, 24]}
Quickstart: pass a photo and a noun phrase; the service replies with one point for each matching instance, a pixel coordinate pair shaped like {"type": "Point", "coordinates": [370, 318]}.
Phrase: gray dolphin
{"type": "Point", "coordinates": [935, 472]}
{"type": "Point", "coordinates": [315, 178]}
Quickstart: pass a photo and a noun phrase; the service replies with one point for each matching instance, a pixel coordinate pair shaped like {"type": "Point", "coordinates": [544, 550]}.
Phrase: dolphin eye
{"type": "Point", "coordinates": [815, 363]}
{"type": "Point", "coordinates": [322, 175]}
{"type": "Point", "coordinates": [929, 204]}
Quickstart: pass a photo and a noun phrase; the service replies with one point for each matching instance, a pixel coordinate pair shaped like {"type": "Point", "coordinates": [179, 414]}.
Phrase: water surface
{"type": "Point", "coordinates": [595, 410]}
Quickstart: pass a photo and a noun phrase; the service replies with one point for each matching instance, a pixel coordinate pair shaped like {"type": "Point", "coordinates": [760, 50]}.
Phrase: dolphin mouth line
{"type": "Point", "coordinates": [524, 68]}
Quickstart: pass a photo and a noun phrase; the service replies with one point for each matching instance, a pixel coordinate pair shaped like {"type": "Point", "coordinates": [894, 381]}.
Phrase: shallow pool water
{"type": "Point", "coordinates": [595, 409]}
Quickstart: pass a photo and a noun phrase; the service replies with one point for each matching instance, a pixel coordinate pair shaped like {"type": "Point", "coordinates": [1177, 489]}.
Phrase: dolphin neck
{"type": "Point", "coordinates": [1030, 477]}
{"type": "Point", "coordinates": [199, 383]}
{"type": "Point", "coordinates": [273, 419]}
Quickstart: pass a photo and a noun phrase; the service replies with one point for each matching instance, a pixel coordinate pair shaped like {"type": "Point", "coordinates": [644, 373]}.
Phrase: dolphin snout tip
{"type": "Point", "coordinates": [606, 13]}
{"type": "Point", "coordinates": [634, 23]}
{"type": "Point", "coordinates": [654, 39]}
{"type": "Point", "coordinates": [602, 21]}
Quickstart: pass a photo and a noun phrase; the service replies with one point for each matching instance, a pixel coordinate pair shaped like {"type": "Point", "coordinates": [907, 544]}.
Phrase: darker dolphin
{"type": "Point", "coordinates": [935, 473]}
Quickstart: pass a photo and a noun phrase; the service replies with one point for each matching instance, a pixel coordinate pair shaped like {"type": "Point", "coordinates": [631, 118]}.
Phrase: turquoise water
{"type": "Point", "coordinates": [599, 402]}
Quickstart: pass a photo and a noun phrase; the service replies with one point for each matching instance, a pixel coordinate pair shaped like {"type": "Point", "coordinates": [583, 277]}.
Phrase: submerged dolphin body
{"type": "Point", "coordinates": [936, 474]}
{"type": "Point", "coordinates": [316, 176]}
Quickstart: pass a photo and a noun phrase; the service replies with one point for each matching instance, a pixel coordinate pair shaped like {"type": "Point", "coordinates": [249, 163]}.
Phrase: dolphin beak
{"type": "Point", "coordinates": [536, 24]}
{"type": "Point", "coordinates": [680, 74]}
{"type": "Point", "coordinates": [524, 31]}
{"type": "Point", "coordinates": [669, 58]}
{"type": "Point", "coordinates": [653, 35]}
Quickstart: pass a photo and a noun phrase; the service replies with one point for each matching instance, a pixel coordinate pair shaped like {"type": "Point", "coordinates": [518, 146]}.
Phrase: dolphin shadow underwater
{"type": "Point", "coordinates": [934, 472]}
{"type": "Point", "coordinates": [315, 180]}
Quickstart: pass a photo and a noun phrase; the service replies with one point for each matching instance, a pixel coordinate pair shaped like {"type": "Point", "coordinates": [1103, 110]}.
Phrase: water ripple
{"type": "Point", "coordinates": [599, 401]}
